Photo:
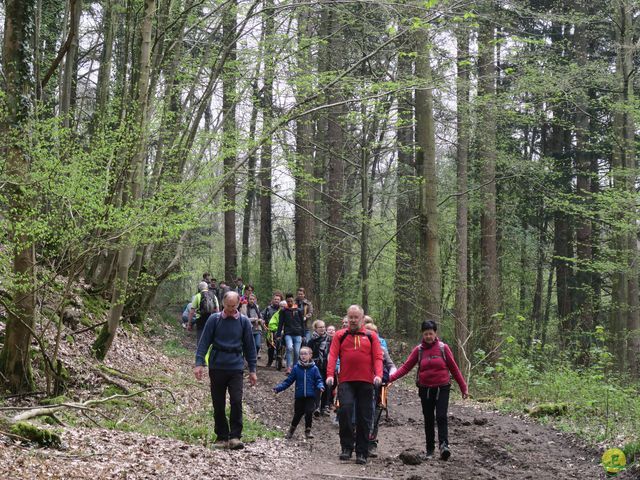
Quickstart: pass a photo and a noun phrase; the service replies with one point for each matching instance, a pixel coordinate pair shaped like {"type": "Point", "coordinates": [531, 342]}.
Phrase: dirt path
{"type": "Point", "coordinates": [502, 448]}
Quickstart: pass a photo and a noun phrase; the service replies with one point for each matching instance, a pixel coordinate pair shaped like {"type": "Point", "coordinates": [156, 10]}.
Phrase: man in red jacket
{"type": "Point", "coordinates": [360, 355]}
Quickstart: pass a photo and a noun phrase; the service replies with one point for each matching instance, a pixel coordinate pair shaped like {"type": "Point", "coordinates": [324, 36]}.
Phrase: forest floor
{"type": "Point", "coordinates": [142, 443]}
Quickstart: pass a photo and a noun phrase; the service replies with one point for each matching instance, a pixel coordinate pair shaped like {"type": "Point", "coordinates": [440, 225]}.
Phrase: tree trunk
{"type": "Point", "coordinates": [583, 292]}
{"type": "Point", "coordinates": [628, 142]}
{"type": "Point", "coordinates": [489, 322]}
{"type": "Point", "coordinates": [17, 59]}
{"type": "Point", "coordinates": [69, 77]}
{"type": "Point", "coordinates": [251, 192]}
{"type": "Point", "coordinates": [266, 235]}
{"type": "Point", "coordinates": [104, 72]}
{"type": "Point", "coordinates": [334, 143]}
{"type": "Point", "coordinates": [426, 169]}
{"type": "Point", "coordinates": [103, 343]}
{"type": "Point", "coordinates": [462, 206]}
{"type": "Point", "coordinates": [305, 226]}
{"type": "Point", "coordinates": [229, 80]}
{"type": "Point", "coordinates": [406, 223]}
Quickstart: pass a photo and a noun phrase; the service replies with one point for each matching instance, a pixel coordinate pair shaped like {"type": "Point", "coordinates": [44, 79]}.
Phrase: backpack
{"type": "Point", "coordinates": [443, 355]}
{"type": "Point", "coordinates": [366, 332]}
{"type": "Point", "coordinates": [208, 305]}
{"type": "Point", "coordinates": [217, 348]}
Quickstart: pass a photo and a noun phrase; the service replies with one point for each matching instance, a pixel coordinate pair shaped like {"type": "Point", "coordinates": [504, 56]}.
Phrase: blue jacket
{"type": "Point", "coordinates": [231, 342]}
{"type": "Point", "coordinates": [308, 380]}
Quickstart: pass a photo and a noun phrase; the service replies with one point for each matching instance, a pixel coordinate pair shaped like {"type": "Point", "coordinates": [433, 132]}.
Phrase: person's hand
{"type": "Point", "coordinates": [465, 395]}
{"type": "Point", "coordinates": [322, 390]}
{"type": "Point", "coordinates": [198, 372]}
{"type": "Point", "coordinates": [377, 381]}
{"type": "Point", "coordinates": [275, 391]}
{"type": "Point", "coordinates": [253, 379]}
{"type": "Point", "coordinates": [329, 382]}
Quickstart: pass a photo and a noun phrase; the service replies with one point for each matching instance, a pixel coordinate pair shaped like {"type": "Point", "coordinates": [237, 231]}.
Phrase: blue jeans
{"type": "Point", "coordinates": [257, 339]}
{"type": "Point", "coordinates": [307, 336]}
{"type": "Point", "coordinates": [293, 344]}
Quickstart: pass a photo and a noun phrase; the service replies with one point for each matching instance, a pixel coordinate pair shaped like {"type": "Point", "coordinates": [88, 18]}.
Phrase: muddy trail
{"type": "Point", "coordinates": [485, 445]}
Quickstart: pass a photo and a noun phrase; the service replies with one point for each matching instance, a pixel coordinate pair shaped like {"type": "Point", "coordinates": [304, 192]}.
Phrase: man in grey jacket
{"type": "Point", "coordinates": [229, 335]}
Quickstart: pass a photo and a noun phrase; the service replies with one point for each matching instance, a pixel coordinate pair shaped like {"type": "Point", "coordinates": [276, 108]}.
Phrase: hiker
{"type": "Point", "coordinates": [229, 335]}
{"type": "Point", "coordinates": [213, 287]}
{"type": "Point", "coordinates": [307, 312]}
{"type": "Point", "coordinates": [379, 401]}
{"type": "Point", "coordinates": [185, 314]}
{"type": "Point", "coordinates": [433, 379]}
{"type": "Point", "coordinates": [271, 317]}
{"type": "Point", "coordinates": [204, 304]}
{"type": "Point", "coordinates": [309, 383]}
{"type": "Point", "coordinates": [331, 331]}
{"type": "Point", "coordinates": [223, 288]}
{"type": "Point", "coordinates": [360, 357]}
{"type": "Point", "coordinates": [291, 328]}
{"type": "Point", "coordinates": [239, 286]}
{"type": "Point", "coordinates": [319, 344]}
{"type": "Point", "coordinates": [252, 311]}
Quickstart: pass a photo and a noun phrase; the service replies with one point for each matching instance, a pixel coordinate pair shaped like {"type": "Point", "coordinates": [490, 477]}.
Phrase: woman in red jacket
{"type": "Point", "coordinates": [436, 365]}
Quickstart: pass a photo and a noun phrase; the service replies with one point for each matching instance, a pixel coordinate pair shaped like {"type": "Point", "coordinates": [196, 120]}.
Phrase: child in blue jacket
{"type": "Point", "coordinates": [308, 381]}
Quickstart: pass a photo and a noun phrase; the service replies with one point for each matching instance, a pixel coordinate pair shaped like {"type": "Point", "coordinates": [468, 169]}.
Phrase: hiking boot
{"type": "Point", "coordinates": [308, 434]}
{"type": "Point", "coordinates": [373, 449]}
{"type": "Point", "coordinates": [361, 459]}
{"type": "Point", "coordinates": [325, 412]}
{"type": "Point", "coordinates": [346, 454]}
{"type": "Point", "coordinates": [220, 444]}
{"type": "Point", "coordinates": [445, 453]}
{"type": "Point", "coordinates": [236, 444]}
{"type": "Point", "coordinates": [290, 433]}
{"type": "Point", "coordinates": [428, 454]}
{"type": "Point", "coordinates": [316, 412]}
{"type": "Point", "coordinates": [269, 364]}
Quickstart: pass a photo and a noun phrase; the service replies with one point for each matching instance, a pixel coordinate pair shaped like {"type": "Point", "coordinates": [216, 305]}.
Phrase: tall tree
{"type": "Point", "coordinates": [266, 240]}
{"type": "Point", "coordinates": [626, 12]}
{"type": "Point", "coordinates": [17, 58]}
{"type": "Point", "coordinates": [487, 153]}
{"type": "Point", "coordinates": [305, 190]}
{"type": "Point", "coordinates": [135, 181]}
{"type": "Point", "coordinates": [406, 221]}
{"type": "Point", "coordinates": [229, 133]}
{"type": "Point", "coordinates": [584, 251]}
{"type": "Point", "coordinates": [70, 63]}
{"type": "Point", "coordinates": [462, 206]}
{"type": "Point", "coordinates": [426, 168]}
{"type": "Point", "coordinates": [334, 144]}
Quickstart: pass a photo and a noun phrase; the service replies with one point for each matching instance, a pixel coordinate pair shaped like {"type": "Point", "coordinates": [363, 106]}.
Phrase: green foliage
{"type": "Point", "coordinates": [599, 406]}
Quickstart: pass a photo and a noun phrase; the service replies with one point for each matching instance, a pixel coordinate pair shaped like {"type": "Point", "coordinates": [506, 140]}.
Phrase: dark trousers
{"type": "Point", "coordinates": [221, 381]}
{"type": "Point", "coordinates": [377, 413]}
{"type": "Point", "coordinates": [303, 407]}
{"type": "Point", "coordinates": [271, 352]}
{"type": "Point", "coordinates": [350, 393]}
{"type": "Point", "coordinates": [323, 398]}
{"type": "Point", "coordinates": [435, 398]}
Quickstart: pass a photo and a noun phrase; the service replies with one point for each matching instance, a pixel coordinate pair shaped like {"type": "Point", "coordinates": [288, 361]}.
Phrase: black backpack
{"type": "Point", "coordinates": [207, 307]}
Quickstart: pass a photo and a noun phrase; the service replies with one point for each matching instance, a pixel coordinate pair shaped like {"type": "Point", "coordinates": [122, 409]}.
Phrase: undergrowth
{"type": "Point", "coordinates": [602, 408]}
{"type": "Point", "coordinates": [161, 417]}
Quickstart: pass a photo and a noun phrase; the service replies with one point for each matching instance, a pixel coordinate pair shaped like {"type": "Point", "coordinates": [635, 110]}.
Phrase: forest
{"type": "Point", "coordinates": [472, 163]}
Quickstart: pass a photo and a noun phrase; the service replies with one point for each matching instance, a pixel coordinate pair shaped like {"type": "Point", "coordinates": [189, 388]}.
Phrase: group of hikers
{"type": "Point", "coordinates": [348, 369]}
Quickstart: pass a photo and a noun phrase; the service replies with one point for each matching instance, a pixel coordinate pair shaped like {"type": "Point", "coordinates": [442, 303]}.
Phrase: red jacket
{"type": "Point", "coordinates": [360, 358]}
{"type": "Point", "coordinates": [433, 370]}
